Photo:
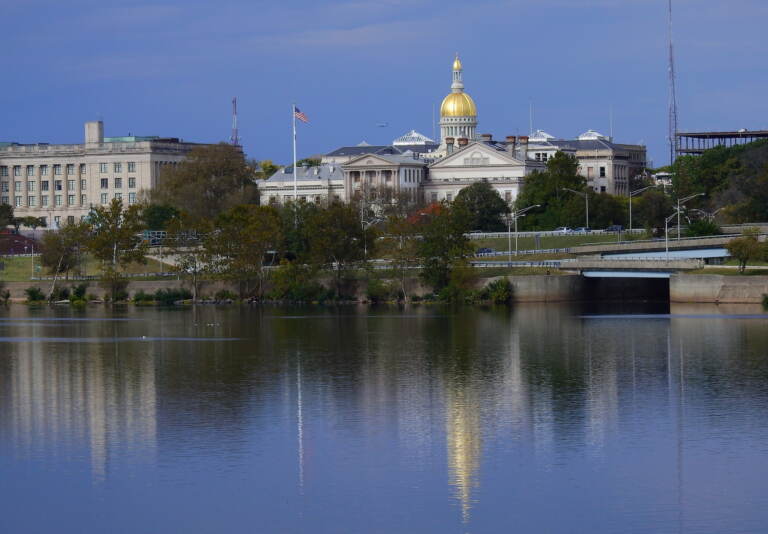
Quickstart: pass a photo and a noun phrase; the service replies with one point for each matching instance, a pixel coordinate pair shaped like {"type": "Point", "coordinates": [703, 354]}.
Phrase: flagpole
{"type": "Point", "coordinates": [295, 183]}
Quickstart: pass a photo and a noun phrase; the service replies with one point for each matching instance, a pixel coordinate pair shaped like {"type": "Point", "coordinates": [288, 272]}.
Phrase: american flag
{"type": "Point", "coordinates": [299, 114]}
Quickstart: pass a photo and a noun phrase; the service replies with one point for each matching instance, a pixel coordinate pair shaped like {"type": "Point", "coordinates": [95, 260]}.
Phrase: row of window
{"type": "Point", "coordinates": [58, 200]}
{"type": "Point", "coordinates": [58, 169]}
{"type": "Point", "coordinates": [58, 185]}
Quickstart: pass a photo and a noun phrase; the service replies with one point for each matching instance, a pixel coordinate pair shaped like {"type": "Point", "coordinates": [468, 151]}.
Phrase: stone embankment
{"type": "Point", "coordinates": [716, 288]}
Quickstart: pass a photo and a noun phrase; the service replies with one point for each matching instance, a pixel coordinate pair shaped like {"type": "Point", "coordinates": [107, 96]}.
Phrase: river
{"type": "Point", "coordinates": [537, 419]}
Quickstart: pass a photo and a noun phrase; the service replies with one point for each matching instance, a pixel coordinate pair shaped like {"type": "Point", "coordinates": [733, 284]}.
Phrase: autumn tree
{"type": "Point", "coordinates": [211, 180]}
{"type": "Point", "coordinates": [746, 248]}
{"type": "Point", "coordinates": [242, 245]}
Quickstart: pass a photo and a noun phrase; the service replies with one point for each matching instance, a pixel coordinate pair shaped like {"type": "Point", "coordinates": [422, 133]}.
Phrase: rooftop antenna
{"type": "Point", "coordinates": [610, 119]}
{"type": "Point", "coordinates": [235, 138]}
{"type": "Point", "coordinates": [530, 117]}
{"type": "Point", "coordinates": [672, 95]}
{"type": "Point", "coordinates": [433, 120]}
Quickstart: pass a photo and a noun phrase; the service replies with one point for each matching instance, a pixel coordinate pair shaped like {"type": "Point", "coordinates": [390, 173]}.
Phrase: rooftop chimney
{"type": "Point", "coordinates": [523, 147]}
{"type": "Point", "coordinates": [449, 144]}
{"type": "Point", "coordinates": [511, 144]}
{"type": "Point", "coordinates": [486, 137]}
{"type": "Point", "coordinates": [463, 141]}
{"type": "Point", "coordinates": [94, 132]}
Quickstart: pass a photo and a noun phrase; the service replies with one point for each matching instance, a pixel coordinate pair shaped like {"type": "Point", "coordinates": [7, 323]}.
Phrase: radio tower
{"type": "Point", "coordinates": [672, 95]}
{"type": "Point", "coordinates": [235, 138]}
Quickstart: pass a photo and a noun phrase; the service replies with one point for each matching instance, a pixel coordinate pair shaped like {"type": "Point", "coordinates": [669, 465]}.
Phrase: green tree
{"type": "Point", "coordinates": [62, 250]}
{"type": "Point", "coordinates": [185, 246]}
{"type": "Point", "coordinates": [483, 205]}
{"type": "Point", "coordinates": [6, 215]}
{"type": "Point", "coordinates": [265, 168]}
{"type": "Point", "coordinates": [296, 221]}
{"type": "Point", "coordinates": [745, 249]}
{"type": "Point", "coordinates": [404, 248]}
{"type": "Point", "coordinates": [444, 246]}
{"type": "Point", "coordinates": [650, 209]}
{"type": "Point", "coordinates": [339, 240]}
{"type": "Point", "coordinates": [243, 241]}
{"type": "Point", "coordinates": [158, 216]}
{"type": "Point", "coordinates": [211, 180]}
{"type": "Point", "coordinates": [116, 241]}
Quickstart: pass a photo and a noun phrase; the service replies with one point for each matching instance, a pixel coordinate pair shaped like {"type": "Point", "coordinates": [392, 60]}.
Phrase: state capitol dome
{"type": "Point", "coordinates": [458, 103]}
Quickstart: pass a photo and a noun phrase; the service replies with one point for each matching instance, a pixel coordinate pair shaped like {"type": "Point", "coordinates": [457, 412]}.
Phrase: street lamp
{"type": "Point", "coordinates": [680, 202]}
{"type": "Point", "coordinates": [586, 198]}
{"type": "Point", "coordinates": [666, 232]}
{"type": "Point", "coordinates": [514, 216]}
{"type": "Point", "coordinates": [633, 193]}
{"type": "Point", "coordinates": [710, 215]}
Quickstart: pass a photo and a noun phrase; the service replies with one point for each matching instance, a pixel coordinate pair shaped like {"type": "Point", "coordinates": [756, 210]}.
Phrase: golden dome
{"type": "Point", "coordinates": [457, 63]}
{"type": "Point", "coordinates": [458, 105]}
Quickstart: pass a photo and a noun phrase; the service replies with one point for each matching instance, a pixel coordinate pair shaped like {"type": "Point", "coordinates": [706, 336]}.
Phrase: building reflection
{"type": "Point", "coordinates": [81, 396]}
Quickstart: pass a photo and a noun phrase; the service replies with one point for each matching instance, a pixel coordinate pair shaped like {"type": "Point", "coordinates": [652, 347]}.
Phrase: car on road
{"type": "Point", "coordinates": [614, 228]}
{"type": "Point", "coordinates": [485, 250]}
{"type": "Point", "coordinates": [563, 230]}
{"type": "Point", "coordinates": [582, 230]}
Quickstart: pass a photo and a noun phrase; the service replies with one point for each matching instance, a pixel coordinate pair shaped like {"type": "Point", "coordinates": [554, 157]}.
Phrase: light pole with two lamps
{"type": "Point", "coordinates": [666, 232]}
{"type": "Point", "coordinates": [514, 215]}
{"type": "Point", "coordinates": [633, 193]}
{"type": "Point", "coordinates": [680, 202]}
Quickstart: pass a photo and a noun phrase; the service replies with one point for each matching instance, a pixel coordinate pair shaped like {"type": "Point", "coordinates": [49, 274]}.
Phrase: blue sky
{"type": "Point", "coordinates": [170, 68]}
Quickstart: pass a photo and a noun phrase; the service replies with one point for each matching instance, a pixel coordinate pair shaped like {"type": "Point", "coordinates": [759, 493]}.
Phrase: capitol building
{"type": "Point", "coordinates": [416, 168]}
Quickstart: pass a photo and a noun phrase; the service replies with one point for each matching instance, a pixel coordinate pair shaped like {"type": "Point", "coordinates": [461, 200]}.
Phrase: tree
{"type": "Point", "coordinates": [296, 222]}
{"type": "Point", "coordinates": [116, 240]}
{"type": "Point", "coordinates": [403, 247]}
{"type": "Point", "coordinates": [559, 207]}
{"type": "Point", "coordinates": [651, 208]}
{"type": "Point", "coordinates": [483, 205]}
{"type": "Point", "coordinates": [211, 180]}
{"type": "Point", "coordinates": [185, 245]}
{"type": "Point", "coordinates": [746, 248]}
{"type": "Point", "coordinates": [158, 216]}
{"type": "Point", "coordinates": [266, 168]}
{"type": "Point", "coordinates": [242, 240]}
{"type": "Point", "coordinates": [62, 250]}
{"type": "Point", "coordinates": [6, 215]}
{"type": "Point", "coordinates": [339, 239]}
{"type": "Point", "coordinates": [444, 246]}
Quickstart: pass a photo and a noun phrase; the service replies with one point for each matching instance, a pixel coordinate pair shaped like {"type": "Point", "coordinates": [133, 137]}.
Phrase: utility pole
{"type": "Point", "coordinates": [672, 95]}
{"type": "Point", "coordinates": [235, 137]}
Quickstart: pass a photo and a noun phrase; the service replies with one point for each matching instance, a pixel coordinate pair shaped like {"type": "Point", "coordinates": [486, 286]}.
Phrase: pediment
{"type": "Point", "coordinates": [367, 160]}
{"type": "Point", "coordinates": [477, 155]}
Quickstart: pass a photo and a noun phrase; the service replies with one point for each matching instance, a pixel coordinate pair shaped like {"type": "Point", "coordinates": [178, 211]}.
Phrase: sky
{"type": "Point", "coordinates": [171, 68]}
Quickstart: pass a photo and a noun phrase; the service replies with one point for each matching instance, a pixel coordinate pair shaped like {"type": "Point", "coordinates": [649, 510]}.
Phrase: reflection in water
{"type": "Point", "coordinates": [519, 419]}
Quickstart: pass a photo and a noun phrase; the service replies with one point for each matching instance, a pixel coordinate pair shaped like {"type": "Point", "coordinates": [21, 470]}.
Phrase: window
{"type": "Point", "coordinates": [43, 201]}
{"type": "Point", "coordinates": [57, 200]}
{"type": "Point", "coordinates": [131, 182]}
{"type": "Point", "coordinates": [508, 196]}
{"type": "Point", "coordinates": [105, 183]}
{"type": "Point", "coordinates": [30, 186]}
{"type": "Point", "coordinates": [57, 220]}
{"type": "Point", "coordinates": [17, 201]}
{"type": "Point", "coordinates": [590, 172]}
{"type": "Point", "coordinates": [434, 197]}
{"type": "Point", "coordinates": [57, 185]}
{"type": "Point", "coordinates": [83, 167]}
{"type": "Point", "coordinates": [118, 183]}
{"type": "Point", "coordinates": [103, 198]}
{"type": "Point", "coordinates": [70, 199]}
{"type": "Point", "coordinates": [3, 170]}
{"type": "Point", "coordinates": [57, 169]}
{"type": "Point", "coordinates": [131, 198]}
{"type": "Point", "coordinates": [43, 170]}
{"type": "Point", "coordinates": [17, 186]}
{"type": "Point", "coordinates": [44, 185]}
{"type": "Point", "coordinates": [31, 201]}
{"type": "Point", "coordinates": [17, 170]}
{"type": "Point", "coordinates": [4, 187]}
{"type": "Point", "coordinates": [30, 170]}
{"type": "Point", "coordinates": [70, 219]}
{"type": "Point", "coordinates": [602, 189]}
{"type": "Point", "coordinates": [83, 184]}
{"type": "Point", "coordinates": [449, 197]}
{"type": "Point", "coordinates": [118, 196]}
{"type": "Point", "coordinates": [602, 172]}
{"type": "Point", "coordinates": [118, 167]}
{"type": "Point", "coordinates": [131, 166]}
{"type": "Point", "coordinates": [70, 169]}
{"type": "Point", "coordinates": [4, 200]}
{"type": "Point", "coordinates": [83, 200]}
{"type": "Point", "coordinates": [70, 185]}
{"type": "Point", "coordinates": [102, 167]}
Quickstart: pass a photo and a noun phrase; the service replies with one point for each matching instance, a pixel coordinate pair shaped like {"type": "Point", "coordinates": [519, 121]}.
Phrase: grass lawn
{"type": "Point", "coordinates": [556, 241]}
{"type": "Point", "coordinates": [19, 269]}
{"type": "Point", "coordinates": [729, 272]}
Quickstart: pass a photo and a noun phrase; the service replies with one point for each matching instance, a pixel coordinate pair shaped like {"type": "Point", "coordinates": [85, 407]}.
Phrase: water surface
{"type": "Point", "coordinates": [545, 418]}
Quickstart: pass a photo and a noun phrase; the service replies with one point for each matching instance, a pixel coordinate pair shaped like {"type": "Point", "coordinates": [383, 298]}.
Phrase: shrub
{"type": "Point", "coordinates": [294, 281]}
{"type": "Point", "coordinates": [92, 296]}
{"type": "Point", "coordinates": [78, 291]}
{"type": "Point", "coordinates": [141, 296]}
{"type": "Point", "coordinates": [499, 291]}
{"type": "Point", "coordinates": [168, 297]}
{"type": "Point", "coordinates": [380, 290]}
{"type": "Point", "coordinates": [34, 294]}
{"type": "Point", "coordinates": [60, 293]}
{"type": "Point", "coordinates": [702, 227]}
{"type": "Point", "coordinates": [224, 294]}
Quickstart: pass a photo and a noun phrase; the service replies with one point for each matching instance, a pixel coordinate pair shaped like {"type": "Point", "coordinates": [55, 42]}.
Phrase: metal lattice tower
{"type": "Point", "coordinates": [672, 95]}
{"type": "Point", "coordinates": [235, 138]}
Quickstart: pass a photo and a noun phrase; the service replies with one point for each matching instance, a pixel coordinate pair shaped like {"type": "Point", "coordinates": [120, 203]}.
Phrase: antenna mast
{"type": "Point", "coordinates": [235, 138]}
{"type": "Point", "coordinates": [672, 95]}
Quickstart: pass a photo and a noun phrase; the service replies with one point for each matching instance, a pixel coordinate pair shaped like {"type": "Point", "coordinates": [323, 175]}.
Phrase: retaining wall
{"type": "Point", "coordinates": [717, 288]}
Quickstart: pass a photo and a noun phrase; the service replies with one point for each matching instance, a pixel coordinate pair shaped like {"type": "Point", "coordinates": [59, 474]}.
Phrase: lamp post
{"type": "Point", "coordinates": [666, 232]}
{"type": "Point", "coordinates": [514, 216]}
{"type": "Point", "coordinates": [633, 193]}
{"type": "Point", "coordinates": [710, 215]}
{"type": "Point", "coordinates": [584, 194]}
{"type": "Point", "coordinates": [680, 202]}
